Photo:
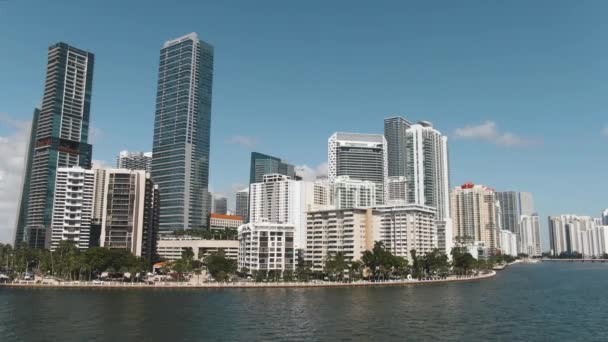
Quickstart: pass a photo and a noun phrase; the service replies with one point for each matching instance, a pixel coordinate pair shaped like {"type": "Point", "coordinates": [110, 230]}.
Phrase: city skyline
{"type": "Point", "coordinates": [231, 143]}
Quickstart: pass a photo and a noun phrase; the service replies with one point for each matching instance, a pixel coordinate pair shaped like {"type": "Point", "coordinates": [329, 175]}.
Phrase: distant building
{"type": "Point", "coordinates": [134, 161]}
{"type": "Point", "coordinates": [73, 207]}
{"type": "Point", "coordinates": [279, 199]}
{"type": "Point", "coordinates": [59, 138]}
{"type": "Point", "coordinates": [220, 205]}
{"type": "Point", "coordinates": [180, 159]}
{"type": "Point", "coordinates": [508, 242]}
{"type": "Point", "coordinates": [353, 193]}
{"type": "Point", "coordinates": [395, 133]}
{"type": "Point", "coordinates": [171, 247]}
{"type": "Point", "coordinates": [529, 235]}
{"type": "Point", "coordinates": [242, 204]}
{"type": "Point", "coordinates": [474, 214]}
{"type": "Point", "coordinates": [576, 234]}
{"type": "Point", "coordinates": [263, 164]}
{"type": "Point", "coordinates": [361, 157]}
{"type": "Point", "coordinates": [223, 222]}
{"type": "Point", "coordinates": [266, 247]}
{"type": "Point", "coordinates": [513, 205]}
{"type": "Point", "coordinates": [130, 212]}
{"type": "Point", "coordinates": [605, 217]}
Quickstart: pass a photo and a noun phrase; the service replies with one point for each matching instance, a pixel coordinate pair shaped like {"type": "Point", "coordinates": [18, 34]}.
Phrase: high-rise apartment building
{"type": "Point", "coordinates": [263, 164]}
{"type": "Point", "coordinates": [427, 172]}
{"type": "Point", "coordinates": [395, 133]}
{"type": "Point", "coordinates": [130, 212]}
{"type": "Point", "coordinates": [73, 207]}
{"type": "Point", "coordinates": [397, 190]}
{"type": "Point", "coordinates": [25, 186]}
{"type": "Point", "coordinates": [529, 235]}
{"type": "Point", "coordinates": [474, 214]}
{"type": "Point", "coordinates": [242, 204]}
{"type": "Point", "coordinates": [59, 139]}
{"type": "Point", "coordinates": [576, 234]}
{"type": "Point", "coordinates": [513, 204]}
{"type": "Point", "coordinates": [180, 158]}
{"type": "Point", "coordinates": [403, 228]}
{"type": "Point", "coordinates": [279, 199]}
{"type": "Point", "coordinates": [265, 246]}
{"type": "Point", "coordinates": [134, 161]}
{"type": "Point", "coordinates": [361, 157]}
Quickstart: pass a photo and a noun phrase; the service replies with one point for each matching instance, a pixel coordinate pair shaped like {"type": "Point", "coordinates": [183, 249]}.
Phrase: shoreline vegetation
{"type": "Point", "coordinates": [98, 267]}
{"type": "Point", "coordinates": [242, 285]}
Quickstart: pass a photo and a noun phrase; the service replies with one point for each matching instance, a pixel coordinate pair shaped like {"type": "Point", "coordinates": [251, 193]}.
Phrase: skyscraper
{"type": "Point", "coordinates": [134, 161]}
{"type": "Point", "coordinates": [605, 217]}
{"type": "Point", "coordinates": [59, 138]}
{"type": "Point", "coordinates": [474, 214]}
{"type": "Point", "coordinates": [395, 133]}
{"type": "Point", "coordinates": [361, 157]}
{"type": "Point", "coordinates": [220, 205]}
{"type": "Point", "coordinates": [263, 164]}
{"type": "Point", "coordinates": [529, 235]}
{"type": "Point", "coordinates": [427, 174]}
{"type": "Point", "coordinates": [180, 162]}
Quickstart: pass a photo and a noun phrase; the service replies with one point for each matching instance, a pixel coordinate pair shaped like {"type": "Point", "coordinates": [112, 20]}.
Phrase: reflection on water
{"type": "Point", "coordinates": [526, 302]}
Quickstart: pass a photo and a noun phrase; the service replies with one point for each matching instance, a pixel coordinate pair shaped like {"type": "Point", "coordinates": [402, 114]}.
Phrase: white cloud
{"type": "Point", "coordinates": [605, 131]}
{"type": "Point", "coordinates": [243, 140]}
{"type": "Point", "coordinates": [310, 174]}
{"type": "Point", "coordinates": [13, 148]}
{"type": "Point", "coordinates": [489, 132]}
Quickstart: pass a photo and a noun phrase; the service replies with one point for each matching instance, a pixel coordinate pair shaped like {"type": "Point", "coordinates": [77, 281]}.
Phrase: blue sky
{"type": "Point", "coordinates": [519, 87]}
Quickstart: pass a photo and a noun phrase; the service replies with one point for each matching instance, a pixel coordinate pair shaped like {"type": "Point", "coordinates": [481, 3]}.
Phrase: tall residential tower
{"type": "Point", "coordinates": [59, 138]}
{"type": "Point", "coordinates": [180, 162]}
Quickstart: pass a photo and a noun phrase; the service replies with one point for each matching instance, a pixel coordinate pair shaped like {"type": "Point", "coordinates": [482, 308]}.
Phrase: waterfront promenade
{"type": "Point", "coordinates": [242, 285]}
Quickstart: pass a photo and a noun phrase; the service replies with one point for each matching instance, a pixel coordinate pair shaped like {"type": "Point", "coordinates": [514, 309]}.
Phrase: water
{"type": "Point", "coordinates": [540, 302]}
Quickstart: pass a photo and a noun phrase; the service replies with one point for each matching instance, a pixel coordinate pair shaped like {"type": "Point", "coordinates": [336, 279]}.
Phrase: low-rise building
{"type": "Point", "coordinates": [170, 247]}
{"type": "Point", "coordinates": [265, 246]}
{"type": "Point", "coordinates": [223, 222]}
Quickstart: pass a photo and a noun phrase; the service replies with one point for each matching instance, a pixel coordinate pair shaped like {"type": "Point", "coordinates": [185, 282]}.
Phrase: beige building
{"type": "Point", "coordinates": [223, 222]}
{"type": "Point", "coordinates": [474, 214]}
{"type": "Point", "coordinates": [171, 247]}
{"type": "Point", "coordinates": [353, 231]}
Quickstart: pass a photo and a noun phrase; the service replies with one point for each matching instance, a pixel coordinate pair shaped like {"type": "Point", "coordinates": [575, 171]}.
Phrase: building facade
{"type": "Point", "coordinates": [73, 207]}
{"type": "Point", "coordinates": [223, 222]}
{"type": "Point", "coordinates": [220, 205]}
{"type": "Point", "coordinates": [171, 247]}
{"type": "Point", "coordinates": [507, 242]}
{"type": "Point", "coordinates": [529, 235]}
{"type": "Point", "coordinates": [130, 212]}
{"type": "Point", "coordinates": [473, 209]}
{"type": "Point", "coordinates": [572, 234]}
{"type": "Point", "coordinates": [263, 164]}
{"type": "Point", "coordinates": [361, 157]}
{"type": "Point", "coordinates": [180, 158]}
{"type": "Point", "coordinates": [134, 161]}
{"type": "Point", "coordinates": [395, 133]}
{"type": "Point", "coordinates": [242, 204]}
{"type": "Point", "coordinates": [513, 205]}
{"type": "Point", "coordinates": [353, 193]}
{"type": "Point", "coordinates": [59, 139]}
{"type": "Point", "coordinates": [397, 190]}
{"type": "Point", "coordinates": [266, 247]}
{"type": "Point", "coordinates": [350, 231]}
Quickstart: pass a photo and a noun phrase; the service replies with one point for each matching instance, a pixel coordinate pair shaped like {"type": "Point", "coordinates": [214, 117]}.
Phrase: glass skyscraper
{"type": "Point", "coordinates": [263, 164]}
{"type": "Point", "coordinates": [180, 162]}
{"type": "Point", "coordinates": [59, 136]}
{"type": "Point", "coordinates": [395, 133]}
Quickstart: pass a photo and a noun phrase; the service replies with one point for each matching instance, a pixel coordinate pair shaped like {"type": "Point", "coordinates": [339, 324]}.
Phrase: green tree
{"type": "Point", "coordinates": [219, 266]}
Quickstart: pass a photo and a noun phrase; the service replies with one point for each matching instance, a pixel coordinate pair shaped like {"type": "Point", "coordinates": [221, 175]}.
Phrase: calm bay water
{"type": "Point", "coordinates": [540, 302]}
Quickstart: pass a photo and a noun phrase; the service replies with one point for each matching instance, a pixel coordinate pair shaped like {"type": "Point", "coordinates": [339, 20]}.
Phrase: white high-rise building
{"type": "Point", "coordinates": [575, 234]}
{"type": "Point", "coordinates": [529, 235]}
{"type": "Point", "coordinates": [474, 214]}
{"type": "Point", "coordinates": [361, 157]}
{"type": "Point", "coordinates": [397, 190]}
{"type": "Point", "coordinates": [282, 200]}
{"type": "Point", "coordinates": [134, 160]}
{"type": "Point", "coordinates": [265, 246]}
{"type": "Point", "coordinates": [353, 193]}
{"type": "Point", "coordinates": [508, 242]}
{"type": "Point", "coordinates": [73, 206]}
{"type": "Point", "coordinates": [427, 175]}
